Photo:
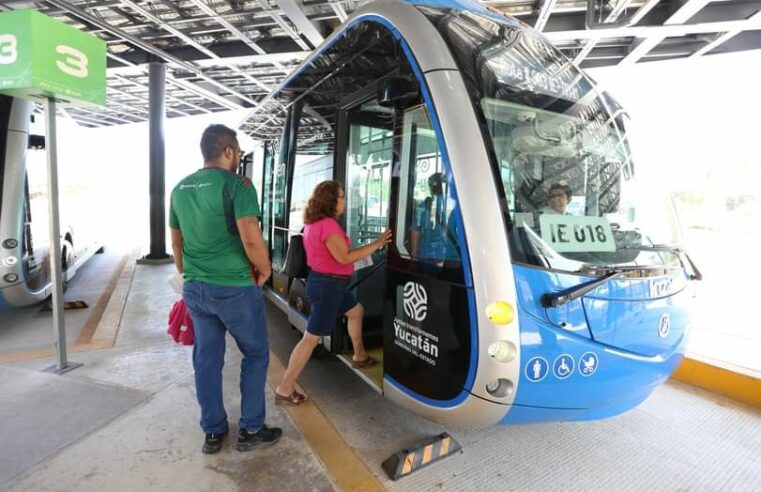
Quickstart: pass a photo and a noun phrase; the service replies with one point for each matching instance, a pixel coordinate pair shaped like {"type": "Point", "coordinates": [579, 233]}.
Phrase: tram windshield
{"type": "Point", "coordinates": [561, 152]}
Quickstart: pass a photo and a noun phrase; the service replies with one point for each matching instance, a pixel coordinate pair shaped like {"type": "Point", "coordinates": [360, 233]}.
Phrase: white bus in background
{"type": "Point", "coordinates": [25, 276]}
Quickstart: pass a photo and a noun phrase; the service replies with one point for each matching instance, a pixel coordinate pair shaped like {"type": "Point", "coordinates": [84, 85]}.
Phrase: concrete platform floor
{"type": "Point", "coordinates": [127, 420]}
{"type": "Point", "coordinates": [29, 330]}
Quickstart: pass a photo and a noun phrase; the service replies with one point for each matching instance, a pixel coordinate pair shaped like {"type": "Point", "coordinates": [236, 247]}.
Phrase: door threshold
{"type": "Point", "coordinates": [371, 375]}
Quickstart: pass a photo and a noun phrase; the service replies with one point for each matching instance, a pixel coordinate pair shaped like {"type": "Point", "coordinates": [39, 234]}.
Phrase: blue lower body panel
{"type": "Point", "coordinates": [565, 376]}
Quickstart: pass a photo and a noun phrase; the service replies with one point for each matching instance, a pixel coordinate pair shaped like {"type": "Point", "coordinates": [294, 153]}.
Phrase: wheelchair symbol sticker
{"type": "Point", "coordinates": [588, 364]}
{"type": "Point", "coordinates": [537, 369]}
{"type": "Point", "coordinates": [563, 366]}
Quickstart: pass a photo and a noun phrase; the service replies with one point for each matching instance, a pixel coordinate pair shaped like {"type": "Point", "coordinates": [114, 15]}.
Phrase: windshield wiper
{"type": "Point", "coordinates": [556, 299]}
{"type": "Point", "coordinates": [680, 253]}
{"type": "Point", "coordinates": [607, 272]}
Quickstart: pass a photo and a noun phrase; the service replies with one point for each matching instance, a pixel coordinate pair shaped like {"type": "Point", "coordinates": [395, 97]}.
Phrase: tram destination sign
{"type": "Point", "coordinates": [43, 57]}
{"type": "Point", "coordinates": [575, 234]}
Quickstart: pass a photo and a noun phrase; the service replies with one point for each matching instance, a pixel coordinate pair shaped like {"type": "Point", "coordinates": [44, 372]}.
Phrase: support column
{"type": "Point", "coordinates": [157, 116]}
{"type": "Point", "coordinates": [63, 365]}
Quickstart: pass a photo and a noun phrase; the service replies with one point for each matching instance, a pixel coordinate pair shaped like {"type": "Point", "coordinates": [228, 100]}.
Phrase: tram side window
{"type": "Point", "coordinates": [314, 164]}
{"type": "Point", "coordinates": [267, 190]}
{"type": "Point", "coordinates": [368, 176]}
{"type": "Point", "coordinates": [278, 214]}
{"type": "Point", "coordinates": [428, 231]}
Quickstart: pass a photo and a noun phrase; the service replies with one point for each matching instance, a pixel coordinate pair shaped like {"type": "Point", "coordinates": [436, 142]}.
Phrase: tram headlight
{"type": "Point", "coordinates": [500, 313]}
{"type": "Point", "coordinates": [10, 243]}
{"type": "Point", "coordinates": [502, 351]}
{"type": "Point", "coordinates": [500, 388]}
{"type": "Point", "coordinates": [9, 261]}
{"type": "Point", "coordinates": [10, 277]}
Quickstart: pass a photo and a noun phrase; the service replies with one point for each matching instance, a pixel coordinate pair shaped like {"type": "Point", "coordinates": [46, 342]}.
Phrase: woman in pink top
{"type": "Point", "coordinates": [331, 264]}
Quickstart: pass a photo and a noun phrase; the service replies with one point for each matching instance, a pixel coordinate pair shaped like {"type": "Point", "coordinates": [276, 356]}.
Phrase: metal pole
{"type": "Point", "coordinates": [157, 110]}
{"type": "Point", "coordinates": [55, 233]}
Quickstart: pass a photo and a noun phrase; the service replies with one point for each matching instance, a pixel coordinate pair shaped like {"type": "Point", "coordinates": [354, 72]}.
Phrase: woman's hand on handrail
{"type": "Point", "coordinates": [383, 239]}
{"type": "Point", "coordinates": [343, 255]}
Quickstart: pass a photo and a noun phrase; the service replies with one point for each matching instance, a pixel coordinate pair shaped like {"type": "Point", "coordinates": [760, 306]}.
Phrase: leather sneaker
{"type": "Point", "coordinates": [266, 436]}
{"type": "Point", "coordinates": [212, 443]}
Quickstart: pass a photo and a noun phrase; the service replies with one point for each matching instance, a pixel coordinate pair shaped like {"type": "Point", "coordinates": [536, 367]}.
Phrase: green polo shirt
{"type": "Point", "coordinates": [204, 207]}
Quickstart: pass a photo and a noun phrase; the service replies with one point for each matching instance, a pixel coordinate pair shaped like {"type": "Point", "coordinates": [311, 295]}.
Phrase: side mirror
{"type": "Point", "coordinates": [396, 92]}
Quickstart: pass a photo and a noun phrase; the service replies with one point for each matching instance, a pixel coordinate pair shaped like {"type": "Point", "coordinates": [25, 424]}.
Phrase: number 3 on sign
{"type": "Point", "coordinates": [8, 49]}
{"type": "Point", "coordinates": [75, 63]}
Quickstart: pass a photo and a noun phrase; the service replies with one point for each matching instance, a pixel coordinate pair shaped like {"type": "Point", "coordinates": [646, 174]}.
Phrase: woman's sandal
{"type": "Point", "coordinates": [359, 364]}
{"type": "Point", "coordinates": [295, 398]}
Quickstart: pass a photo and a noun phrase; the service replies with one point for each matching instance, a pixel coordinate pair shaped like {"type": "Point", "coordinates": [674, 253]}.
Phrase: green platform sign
{"type": "Point", "coordinates": [42, 57]}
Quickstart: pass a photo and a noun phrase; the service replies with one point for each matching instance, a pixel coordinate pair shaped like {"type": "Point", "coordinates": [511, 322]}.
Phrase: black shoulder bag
{"type": "Point", "coordinates": [295, 258]}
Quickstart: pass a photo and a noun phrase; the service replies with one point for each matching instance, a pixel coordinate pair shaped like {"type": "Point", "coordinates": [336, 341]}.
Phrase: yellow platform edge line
{"type": "Point", "coordinates": [345, 467]}
{"type": "Point", "coordinates": [739, 387]}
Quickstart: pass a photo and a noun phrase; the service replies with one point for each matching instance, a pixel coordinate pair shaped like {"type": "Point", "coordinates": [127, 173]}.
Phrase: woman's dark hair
{"type": "Point", "coordinates": [323, 202]}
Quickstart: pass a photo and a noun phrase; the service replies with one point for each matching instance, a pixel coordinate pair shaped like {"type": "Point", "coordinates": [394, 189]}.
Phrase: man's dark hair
{"type": "Point", "coordinates": [214, 141]}
{"type": "Point", "coordinates": [565, 188]}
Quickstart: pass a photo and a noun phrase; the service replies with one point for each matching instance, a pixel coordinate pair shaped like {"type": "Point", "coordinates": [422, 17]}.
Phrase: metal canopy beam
{"type": "Point", "coordinates": [612, 17]}
{"type": "Point", "coordinates": [234, 30]}
{"type": "Point", "coordinates": [660, 31]}
{"type": "Point", "coordinates": [643, 47]}
{"type": "Point", "coordinates": [151, 49]}
{"type": "Point", "coordinates": [294, 12]}
{"type": "Point", "coordinates": [283, 25]}
{"type": "Point", "coordinates": [187, 86]}
{"type": "Point", "coordinates": [223, 54]}
{"type": "Point", "coordinates": [722, 38]}
{"type": "Point", "coordinates": [192, 42]}
{"type": "Point", "coordinates": [338, 9]}
{"type": "Point", "coordinates": [545, 8]}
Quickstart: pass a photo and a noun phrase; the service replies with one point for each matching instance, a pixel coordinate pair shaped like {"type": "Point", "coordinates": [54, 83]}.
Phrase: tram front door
{"type": "Point", "coordinates": [367, 182]}
{"type": "Point", "coordinates": [414, 292]}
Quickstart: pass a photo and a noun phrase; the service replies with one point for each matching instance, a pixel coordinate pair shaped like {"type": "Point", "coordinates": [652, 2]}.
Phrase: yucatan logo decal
{"type": "Point", "coordinates": [415, 301]}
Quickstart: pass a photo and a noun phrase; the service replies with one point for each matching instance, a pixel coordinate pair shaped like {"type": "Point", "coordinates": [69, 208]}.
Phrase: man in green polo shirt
{"type": "Point", "coordinates": [219, 249]}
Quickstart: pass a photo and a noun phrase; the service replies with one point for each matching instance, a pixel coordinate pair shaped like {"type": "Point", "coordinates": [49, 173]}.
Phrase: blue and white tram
{"type": "Point", "coordinates": [453, 126]}
{"type": "Point", "coordinates": [25, 276]}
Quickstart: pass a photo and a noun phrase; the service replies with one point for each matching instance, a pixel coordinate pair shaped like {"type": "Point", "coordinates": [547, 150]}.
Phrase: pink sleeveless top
{"type": "Point", "coordinates": [319, 258]}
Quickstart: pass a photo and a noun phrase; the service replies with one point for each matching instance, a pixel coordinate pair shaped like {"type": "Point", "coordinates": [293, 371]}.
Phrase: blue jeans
{"type": "Point", "coordinates": [215, 310]}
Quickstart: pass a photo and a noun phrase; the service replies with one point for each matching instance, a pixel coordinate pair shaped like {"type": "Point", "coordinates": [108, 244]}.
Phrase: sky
{"type": "Point", "coordinates": [694, 118]}
{"type": "Point", "coordinates": [113, 163]}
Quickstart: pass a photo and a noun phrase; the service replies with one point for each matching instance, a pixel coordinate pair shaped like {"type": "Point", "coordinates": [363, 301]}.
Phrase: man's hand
{"type": "Point", "coordinates": [256, 249]}
{"type": "Point", "coordinates": [177, 245]}
{"type": "Point", "coordinates": [262, 277]}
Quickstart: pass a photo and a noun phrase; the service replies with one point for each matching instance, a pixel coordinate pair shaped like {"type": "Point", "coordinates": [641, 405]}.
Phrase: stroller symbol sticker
{"type": "Point", "coordinates": [588, 364]}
